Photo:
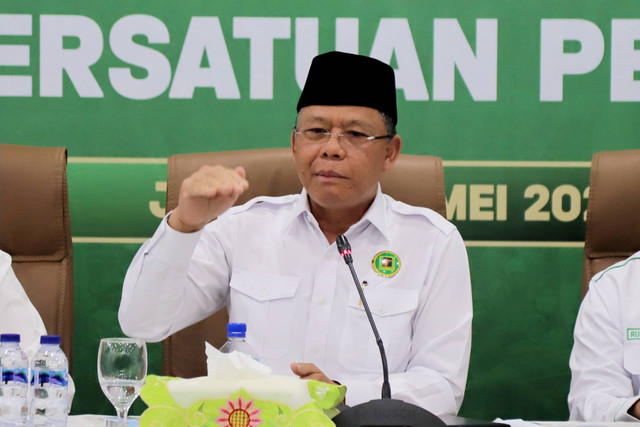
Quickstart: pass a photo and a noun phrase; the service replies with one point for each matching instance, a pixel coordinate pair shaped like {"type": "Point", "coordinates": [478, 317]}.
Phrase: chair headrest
{"type": "Point", "coordinates": [33, 193]}
{"type": "Point", "coordinates": [613, 226]}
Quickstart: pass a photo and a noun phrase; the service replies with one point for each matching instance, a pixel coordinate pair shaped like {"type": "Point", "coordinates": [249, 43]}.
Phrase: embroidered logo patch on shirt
{"type": "Point", "coordinates": [633, 334]}
{"type": "Point", "coordinates": [386, 264]}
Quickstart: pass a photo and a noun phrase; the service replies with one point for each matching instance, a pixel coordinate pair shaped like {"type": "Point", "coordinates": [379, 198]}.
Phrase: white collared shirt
{"type": "Point", "coordinates": [605, 360]}
{"type": "Point", "coordinates": [270, 263]}
{"type": "Point", "coordinates": [17, 313]}
{"type": "Point", "coordinates": [19, 316]}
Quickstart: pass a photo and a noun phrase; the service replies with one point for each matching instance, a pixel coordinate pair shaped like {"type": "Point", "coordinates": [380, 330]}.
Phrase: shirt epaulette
{"type": "Point", "coordinates": [434, 217]}
{"type": "Point", "coordinates": [267, 200]}
{"type": "Point", "coordinates": [617, 265]}
{"type": "Point", "coordinates": [5, 264]}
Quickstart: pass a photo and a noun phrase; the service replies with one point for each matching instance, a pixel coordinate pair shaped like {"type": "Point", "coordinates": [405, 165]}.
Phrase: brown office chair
{"type": "Point", "coordinates": [417, 180]}
{"type": "Point", "coordinates": [35, 231]}
{"type": "Point", "coordinates": [613, 212]}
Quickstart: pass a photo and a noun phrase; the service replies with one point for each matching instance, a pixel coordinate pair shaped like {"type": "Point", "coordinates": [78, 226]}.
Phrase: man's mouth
{"type": "Point", "coordinates": [328, 174]}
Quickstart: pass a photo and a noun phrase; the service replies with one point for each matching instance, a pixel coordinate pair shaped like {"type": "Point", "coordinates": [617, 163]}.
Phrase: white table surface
{"type": "Point", "coordinates": [523, 423]}
{"type": "Point", "coordinates": [97, 421]}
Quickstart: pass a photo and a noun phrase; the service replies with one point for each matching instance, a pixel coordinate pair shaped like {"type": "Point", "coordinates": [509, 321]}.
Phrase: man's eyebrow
{"type": "Point", "coordinates": [356, 122]}
{"type": "Point", "coordinates": [316, 119]}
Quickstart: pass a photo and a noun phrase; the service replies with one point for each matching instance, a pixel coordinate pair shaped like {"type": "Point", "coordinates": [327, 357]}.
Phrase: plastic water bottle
{"type": "Point", "coordinates": [13, 389]}
{"type": "Point", "coordinates": [236, 340]}
{"type": "Point", "coordinates": [49, 379]}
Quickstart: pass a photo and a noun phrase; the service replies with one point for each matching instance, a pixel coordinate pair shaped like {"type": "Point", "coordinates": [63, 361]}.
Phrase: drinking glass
{"type": "Point", "coordinates": [122, 369]}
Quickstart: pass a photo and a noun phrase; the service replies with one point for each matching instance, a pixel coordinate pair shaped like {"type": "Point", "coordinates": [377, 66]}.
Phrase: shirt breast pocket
{"type": "Point", "coordinates": [392, 311]}
{"type": "Point", "coordinates": [266, 303]}
{"type": "Point", "coordinates": [631, 363]}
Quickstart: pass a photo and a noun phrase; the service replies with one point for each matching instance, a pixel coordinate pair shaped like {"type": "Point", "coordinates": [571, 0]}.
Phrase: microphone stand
{"type": "Point", "coordinates": [385, 411]}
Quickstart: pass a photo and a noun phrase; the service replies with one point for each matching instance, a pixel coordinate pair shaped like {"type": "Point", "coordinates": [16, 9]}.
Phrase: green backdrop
{"type": "Point", "coordinates": [514, 96]}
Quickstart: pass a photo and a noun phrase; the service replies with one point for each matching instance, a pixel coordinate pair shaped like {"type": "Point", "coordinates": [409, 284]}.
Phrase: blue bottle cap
{"type": "Point", "coordinates": [50, 339]}
{"type": "Point", "coordinates": [9, 337]}
{"type": "Point", "coordinates": [237, 330]}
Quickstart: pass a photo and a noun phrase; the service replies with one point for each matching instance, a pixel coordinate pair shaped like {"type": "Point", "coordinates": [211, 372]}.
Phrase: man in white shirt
{"type": "Point", "coordinates": [274, 263]}
{"type": "Point", "coordinates": [19, 316]}
{"type": "Point", "coordinates": [605, 360]}
{"type": "Point", "coordinates": [17, 313]}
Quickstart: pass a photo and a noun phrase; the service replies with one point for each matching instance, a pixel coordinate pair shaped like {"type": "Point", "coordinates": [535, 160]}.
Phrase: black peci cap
{"type": "Point", "coordinates": [338, 78]}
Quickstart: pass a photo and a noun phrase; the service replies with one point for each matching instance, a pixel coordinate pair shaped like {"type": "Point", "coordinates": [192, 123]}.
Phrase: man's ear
{"type": "Point", "coordinates": [293, 142]}
{"type": "Point", "coordinates": [394, 146]}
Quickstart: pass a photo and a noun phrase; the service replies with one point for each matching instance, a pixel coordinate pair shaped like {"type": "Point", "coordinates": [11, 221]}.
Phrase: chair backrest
{"type": "Point", "coordinates": [613, 212]}
{"type": "Point", "coordinates": [35, 231]}
{"type": "Point", "coordinates": [417, 180]}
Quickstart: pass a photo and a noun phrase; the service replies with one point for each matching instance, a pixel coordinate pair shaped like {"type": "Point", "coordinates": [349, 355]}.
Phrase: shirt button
{"type": "Point", "coordinates": [381, 310]}
{"type": "Point", "coordinates": [314, 350]}
{"type": "Point", "coordinates": [322, 302]}
{"type": "Point", "coordinates": [328, 255]}
{"type": "Point", "coordinates": [262, 292]}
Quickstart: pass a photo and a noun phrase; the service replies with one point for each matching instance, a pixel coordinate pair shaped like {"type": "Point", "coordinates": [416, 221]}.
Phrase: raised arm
{"type": "Point", "coordinates": [176, 278]}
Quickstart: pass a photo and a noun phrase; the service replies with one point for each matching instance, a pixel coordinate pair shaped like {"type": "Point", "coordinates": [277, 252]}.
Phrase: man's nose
{"type": "Point", "coordinates": [333, 148]}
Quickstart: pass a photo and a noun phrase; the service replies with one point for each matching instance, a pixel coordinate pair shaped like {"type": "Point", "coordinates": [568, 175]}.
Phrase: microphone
{"type": "Point", "coordinates": [345, 250]}
{"type": "Point", "coordinates": [385, 411]}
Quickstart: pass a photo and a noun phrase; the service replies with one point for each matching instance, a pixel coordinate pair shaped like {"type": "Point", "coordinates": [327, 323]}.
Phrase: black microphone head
{"type": "Point", "coordinates": [342, 243]}
{"type": "Point", "coordinates": [344, 248]}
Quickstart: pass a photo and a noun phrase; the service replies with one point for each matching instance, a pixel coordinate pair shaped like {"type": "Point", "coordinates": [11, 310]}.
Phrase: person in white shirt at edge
{"type": "Point", "coordinates": [605, 360]}
{"type": "Point", "coordinates": [273, 261]}
{"type": "Point", "coordinates": [19, 316]}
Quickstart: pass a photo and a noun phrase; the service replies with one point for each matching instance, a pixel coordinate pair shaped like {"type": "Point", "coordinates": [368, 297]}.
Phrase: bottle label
{"type": "Point", "coordinates": [40, 377]}
{"type": "Point", "coordinates": [15, 375]}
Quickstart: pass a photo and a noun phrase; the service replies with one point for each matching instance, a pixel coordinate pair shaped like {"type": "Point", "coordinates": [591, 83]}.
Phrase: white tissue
{"type": "Point", "coordinates": [233, 365]}
{"type": "Point", "coordinates": [228, 373]}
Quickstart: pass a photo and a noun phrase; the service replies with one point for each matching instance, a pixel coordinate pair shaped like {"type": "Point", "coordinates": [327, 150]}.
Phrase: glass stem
{"type": "Point", "coordinates": [122, 415]}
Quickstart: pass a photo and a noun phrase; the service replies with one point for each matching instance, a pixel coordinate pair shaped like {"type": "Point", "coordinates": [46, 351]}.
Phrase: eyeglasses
{"type": "Point", "coordinates": [321, 136]}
